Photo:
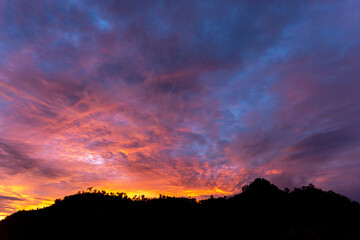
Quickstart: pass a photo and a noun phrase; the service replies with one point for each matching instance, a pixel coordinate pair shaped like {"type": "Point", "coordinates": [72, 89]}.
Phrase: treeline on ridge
{"type": "Point", "coordinates": [261, 211]}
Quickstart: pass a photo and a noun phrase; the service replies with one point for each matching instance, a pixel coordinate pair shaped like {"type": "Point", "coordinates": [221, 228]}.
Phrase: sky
{"type": "Point", "coordinates": [184, 98]}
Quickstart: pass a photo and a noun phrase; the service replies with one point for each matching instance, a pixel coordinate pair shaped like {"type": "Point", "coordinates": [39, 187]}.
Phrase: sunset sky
{"type": "Point", "coordinates": [185, 98]}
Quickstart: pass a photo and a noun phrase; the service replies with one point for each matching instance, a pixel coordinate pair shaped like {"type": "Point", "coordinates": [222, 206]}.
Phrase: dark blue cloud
{"type": "Point", "coordinates": [321, 146]}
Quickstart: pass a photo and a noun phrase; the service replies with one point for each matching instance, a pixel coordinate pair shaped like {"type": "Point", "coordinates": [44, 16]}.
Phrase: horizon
{"type": "Point", "coordinates": [143, 197]}
{"type": "Point", "coordinates": [178, 98]}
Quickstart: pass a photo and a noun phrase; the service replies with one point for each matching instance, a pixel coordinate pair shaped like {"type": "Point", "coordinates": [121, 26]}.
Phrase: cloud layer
{"type": "Point", "coordinates": [184, 98]}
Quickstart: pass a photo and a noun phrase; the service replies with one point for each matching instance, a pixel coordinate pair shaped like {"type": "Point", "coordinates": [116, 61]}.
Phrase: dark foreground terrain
{"type": "Point", "coordinates": [261, 211]}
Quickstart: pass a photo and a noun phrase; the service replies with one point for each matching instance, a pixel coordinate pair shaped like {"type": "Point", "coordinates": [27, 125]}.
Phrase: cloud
{"type": "Point", "coordinates": [324, 145]}
{"type": "Point", "coordinates": [15, 159]}
{"type": "Point", "coordinates": [177, 98]}
{"type": "Point", "coordinates": [3, 197]}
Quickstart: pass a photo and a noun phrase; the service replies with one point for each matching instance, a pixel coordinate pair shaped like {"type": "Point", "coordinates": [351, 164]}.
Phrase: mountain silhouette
{"type": "Point", "coordinates": [261, 211]}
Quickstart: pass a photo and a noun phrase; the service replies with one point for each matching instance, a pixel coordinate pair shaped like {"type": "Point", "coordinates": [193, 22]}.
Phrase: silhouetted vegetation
{"type": "Point", "coordinates": [261, 211]}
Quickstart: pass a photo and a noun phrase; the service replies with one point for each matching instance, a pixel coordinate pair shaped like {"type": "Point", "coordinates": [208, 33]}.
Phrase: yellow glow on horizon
{"type": "Point", "coordinates": [18, 198]}
{"type": "Point", "coordinates": [30, 202]}
{"type": "Point", "coordinates": [198, 193]}
{"type": "Point", "coordinates": [44, 204]}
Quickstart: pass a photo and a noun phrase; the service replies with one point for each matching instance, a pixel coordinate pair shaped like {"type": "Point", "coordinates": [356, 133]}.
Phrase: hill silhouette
{"type": "Point", "coordinates": [261, 211]}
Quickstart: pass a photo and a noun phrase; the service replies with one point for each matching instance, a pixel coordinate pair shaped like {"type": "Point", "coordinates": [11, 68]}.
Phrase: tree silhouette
{"type": "Point", "coordinates": [261, 211]}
